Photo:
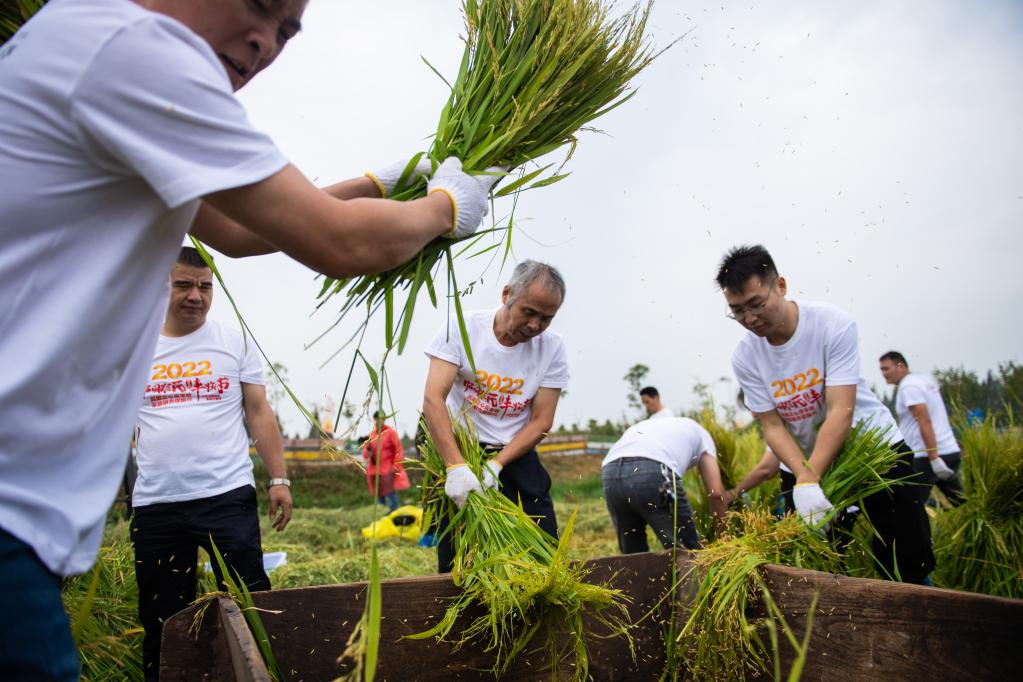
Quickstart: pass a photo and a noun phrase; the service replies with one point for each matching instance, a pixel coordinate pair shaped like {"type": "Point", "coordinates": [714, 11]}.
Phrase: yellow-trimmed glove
{"type": "Point", "coordinates": [387, 178]}
{"type": "Point", "coordinates": [468, 194]}
{"type": "Point", "coordinates": [491, 474]}
{"type": "Point", "coordinates": [811, 505]}
{"type": "Point", "coordinates": [460, 481]}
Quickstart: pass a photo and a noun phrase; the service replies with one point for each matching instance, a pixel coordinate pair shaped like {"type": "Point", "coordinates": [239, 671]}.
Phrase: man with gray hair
{"type": "Point", "coordinates": [510, 396]}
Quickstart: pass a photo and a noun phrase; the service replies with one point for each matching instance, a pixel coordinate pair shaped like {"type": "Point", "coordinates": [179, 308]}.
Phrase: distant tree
{"type": "Point", "coordinates": [634, 378]}
{"type": "Point", "coordinates": [995, 395]}
{"type": "Point", "coordinates": [1011, 375]}
{"type": "Point", "coordinates": [963, 388]}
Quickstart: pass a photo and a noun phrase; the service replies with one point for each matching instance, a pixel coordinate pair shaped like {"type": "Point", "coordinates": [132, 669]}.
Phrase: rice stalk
{"type": "Point", "coordinates": [719, 640]}
{"type": "Point", "coordinates": [532, 75]}
{"type": "Point", "coordinates": [978, 546]}
{"type": "Point", "coordinates": [519, 575]}
{"type": "Point", "coordinates": [14, 13]}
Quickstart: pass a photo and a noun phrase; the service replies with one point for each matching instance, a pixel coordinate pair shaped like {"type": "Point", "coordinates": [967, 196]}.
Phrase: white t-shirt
{"type": "Point", "coordinates": [791, 378]}
{"type": "Point", "coordinates": [663, 413]}
{"type": "Point", "coordinates": [677, 442]}
{"type": "Point", "coordinates": [114, 121]}
{"type": "Point", "coordinates": [190, 433]}
{"type": "Point", "coordinates": [498, 395]}
{"type": "Point", "coordinates": [920, 389]}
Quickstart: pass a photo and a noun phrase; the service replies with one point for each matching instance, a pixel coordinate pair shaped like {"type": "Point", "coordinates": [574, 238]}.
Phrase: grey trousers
{"type": "Point", "coordinates": [637, 495]}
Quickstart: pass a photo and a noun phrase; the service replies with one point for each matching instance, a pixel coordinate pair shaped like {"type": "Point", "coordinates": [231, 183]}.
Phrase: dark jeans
{"type": "Point", "coordinates": [900, 519]}
{"type": "Point", "coordinates": [637, 495]}
{"type": "Point", "coordinates": [390, 500]}
{"type": "Point", "coordinates": [167, 537]}
{"type": "Point", "coordinates": [35, 635]}
{"type": "Point", "coordinates": [952, 488]}
{"type": "Point", "coordinates": [523, 481]}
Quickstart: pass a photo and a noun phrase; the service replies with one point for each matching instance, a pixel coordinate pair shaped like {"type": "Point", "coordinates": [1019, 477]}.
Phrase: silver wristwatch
{"type": "Point", "coordinates": [278, 481]}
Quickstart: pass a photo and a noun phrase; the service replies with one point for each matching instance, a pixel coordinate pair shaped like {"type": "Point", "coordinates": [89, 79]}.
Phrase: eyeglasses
{"type": "Point", "coordinates": [739, 314]}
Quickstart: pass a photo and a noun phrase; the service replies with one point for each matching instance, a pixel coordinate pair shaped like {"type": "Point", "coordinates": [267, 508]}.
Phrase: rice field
{"type": "Point", "coordinates": [979, 545]}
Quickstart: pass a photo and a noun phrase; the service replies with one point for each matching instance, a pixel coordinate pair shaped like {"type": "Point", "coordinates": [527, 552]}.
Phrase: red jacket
{"type": "Point", "coordinates": [392, 473]}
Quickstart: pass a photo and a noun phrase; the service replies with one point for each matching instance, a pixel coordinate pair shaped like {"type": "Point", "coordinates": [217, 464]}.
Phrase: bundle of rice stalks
{"type": "Point", "coordinates": [978, 546]}
{"type": "Point", "coordinates": [533, 74]}
{"type": "Point", "coordinates": [520, 575]}
{"type": "Point", "coordinates": [15, 13]}
{"type": "Point", "coordinates": [718, 640]}
{"type": "Point", "coordinates": [103, 607]}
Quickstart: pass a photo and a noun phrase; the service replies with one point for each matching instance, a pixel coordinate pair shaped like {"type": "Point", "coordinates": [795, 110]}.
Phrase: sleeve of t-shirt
{"type": "Point", "coordinates": [158, 104]}
{"type": "Point", "coordinates": [912, 394]}
{"type": "Point", "coordinates": [756, 395]}
{"type": "Point", "coordinates": [447, 345]}
{"type": "Point", "coordinates": [251, 369]}
{"type": "Point", "coordinates": [707, 444]}
{"type": "Point", "coordinates": [557, 370]}
{"type": "Point", "coordinates": [842, 353]}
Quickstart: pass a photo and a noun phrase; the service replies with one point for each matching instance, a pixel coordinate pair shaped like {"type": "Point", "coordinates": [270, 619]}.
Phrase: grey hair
{"type": "Point", "coordinates": [529, 271]}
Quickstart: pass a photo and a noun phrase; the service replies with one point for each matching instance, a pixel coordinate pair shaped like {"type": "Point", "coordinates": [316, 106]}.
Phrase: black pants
{"type": "Point", "coordinates": [524, 481]}
{"type": "Point", "coordinates": [952, 488]}
{"type": "Point", "coordinates": [637, 494]}
{"type": "Point", "coordinates": [898, 516]}
{"type": "Point", "coordinates": [167, 537]}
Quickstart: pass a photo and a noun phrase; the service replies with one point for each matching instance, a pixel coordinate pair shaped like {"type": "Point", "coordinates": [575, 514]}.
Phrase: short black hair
{"type": "Point", "coordinates": [896, 357]}
{"type": "Point", "coordinates": [189, 255]}
{"type": "Point", "coordinates": [378, 414]}
{"type": "Point", "coordinates": [744, 262]}
{"type": "Point", "coordinates": [649, 392]}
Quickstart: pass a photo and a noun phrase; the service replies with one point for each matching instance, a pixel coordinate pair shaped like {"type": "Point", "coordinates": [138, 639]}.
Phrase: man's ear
{"type": "Point", "coordinates": [782, 286]}
{"type": "Point", "coordinates": [505, 293]}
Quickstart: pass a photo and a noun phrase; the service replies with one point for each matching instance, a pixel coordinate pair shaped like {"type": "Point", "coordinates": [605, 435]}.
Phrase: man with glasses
{"type": "Point", "coordinates": [799, 368]}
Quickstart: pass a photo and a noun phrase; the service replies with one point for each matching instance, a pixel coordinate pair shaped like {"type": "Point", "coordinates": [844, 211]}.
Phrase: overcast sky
{"type": "Point", "coordinates": [875, 148]}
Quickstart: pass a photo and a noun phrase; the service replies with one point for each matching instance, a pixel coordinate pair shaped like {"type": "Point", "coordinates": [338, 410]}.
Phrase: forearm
{"type": "Point", "coordinates": [524, 441]}
{"type": "Point", "coordinates": [438, 421]}
{"type": "Point", "coordinates": [227, 236]}
{"type": "Point", "coordinates": [754, 478]}
{"type": "Point", "coordinates": [356, 188]}
{"type": "Point", "coordinates": [784, 447]}
{"type": "Point", "coordinates": [830, 438]}
{"type": "Point", "coordinates": [930, 439]}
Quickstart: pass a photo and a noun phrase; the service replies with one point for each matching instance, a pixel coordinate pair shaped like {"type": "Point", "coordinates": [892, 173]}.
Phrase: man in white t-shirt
{"type": "Point", "coordinates": [651, 399]}
{"type": "Point", "coordinates": [119, 132]}
{"type": "Point", "coordinates": [194, 471]}
{"type": "Point", "coordinates": [642, 475]}
{"type": "Point", "coordinates": [923, 420]}
{"type": "Point", "coordinates": [510, 397]}
{"type": "Point", "coordinates": [799, 368]}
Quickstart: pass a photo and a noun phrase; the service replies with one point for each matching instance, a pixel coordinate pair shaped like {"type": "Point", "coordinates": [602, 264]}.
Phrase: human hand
{"type": "Point", "coordinates": [491, 474]}
{"type": "Point", "coordinates": [811, 504]}
{"type": "Point", "coordinates": [387, 179]}
{"type": "Point", "coordinates": [460, 481]}
{"type": "Point", "coordinates": [280, 506]}
{"type": "Point", "coordinates": [941, 470]}
{"type": "Point", "coordinates": [468, 194]}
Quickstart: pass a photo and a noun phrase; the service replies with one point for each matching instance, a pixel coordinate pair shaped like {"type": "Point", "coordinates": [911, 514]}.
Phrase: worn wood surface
{"type": "Point", "coordinates": [879, 630]}
{"type": "Point", "coordinates": [246, 660]}
{"type": "Point", "coordinates": [313, 624]}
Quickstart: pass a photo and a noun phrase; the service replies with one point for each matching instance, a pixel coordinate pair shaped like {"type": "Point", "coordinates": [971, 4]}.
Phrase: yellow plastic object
{"type": "Point", "coordinates": [404, 522]}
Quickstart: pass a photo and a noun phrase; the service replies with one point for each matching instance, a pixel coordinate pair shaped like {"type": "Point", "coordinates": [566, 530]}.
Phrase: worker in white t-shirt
{"type": "Point", "coordinates": [799, 368]}
{"type": "Point", "coordinates": [651, 399]}
{"type": "Point", "coordinates": [924, 422]}
{"type": "Point", "coordinates": [120, 132]}
{"type": "Point", "coordinates": [194, 471]}
{"type": "Point", "coordinates": [642, 475]}
{"type": "Point", "coordinates": [510, 397]}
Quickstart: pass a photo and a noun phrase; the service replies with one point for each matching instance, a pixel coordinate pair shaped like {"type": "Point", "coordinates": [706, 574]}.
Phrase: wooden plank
{"type": "Point", "coordinates": [202, 655]}
{"type": "Point", "coordinates": [314, 623]}
{"type": "Point", "coordinates": [881, 630]}
{"type": "Point", "coordinates": [246, 660]}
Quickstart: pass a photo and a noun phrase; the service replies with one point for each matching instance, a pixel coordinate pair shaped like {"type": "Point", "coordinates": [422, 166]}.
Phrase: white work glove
{"type": "Point", "coordinates": [468, 194]}
{"type": "Point", "coordinates": [941, 470]}
{"type": "Point", "coordinates": [811, 505]}
{"type": "Point", "coordinates": [387, 178]}
{"type": "Point", "coordinates": [459, 483]}
{"type": "Point", "coordinates": [491, 474]}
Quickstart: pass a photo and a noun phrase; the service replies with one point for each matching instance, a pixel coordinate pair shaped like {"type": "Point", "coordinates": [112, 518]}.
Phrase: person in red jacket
{"type": "Point", "coordinates": [382, 452]}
